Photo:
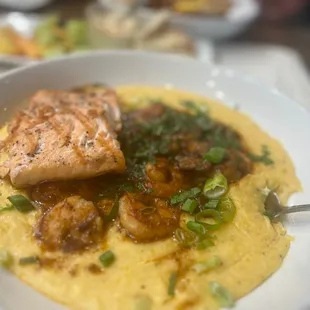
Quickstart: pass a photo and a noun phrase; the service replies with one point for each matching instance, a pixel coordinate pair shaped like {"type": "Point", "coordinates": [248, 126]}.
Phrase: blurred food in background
{"type": "Point", "coordinates": [210, 7]}
{"type": "Point", "coordinates": [103, 28]}
{"type": "Point", "coordinates": [50, 38]}
{"type": "Point", "coordinates": [113, 29]}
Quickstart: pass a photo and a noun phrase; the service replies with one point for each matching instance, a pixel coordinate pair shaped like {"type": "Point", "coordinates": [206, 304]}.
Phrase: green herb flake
{"type": "Point", "coordinates": [21, 203]}
{"type": "Point", "coordinates": [190, 206]}
{"type": "Point", "coordinates": [204, 244]}
{"type": "Point", "coordinates": [107, 258]}
{"type": "Point", "coordinates": [195, 227]}
{"type": "Point", "coordinates": [208, 265]}
{"type": "Point", "coordinates": [264, 158]}
{"type": "Point", "coordinates": [216, 186]}
{"type": "Point", "coordinates": [215, 155]}
{"type": "Point", "coordinates": [182, 196]}
{"type": "Point", "coordinates": [227, 209]}
{"type": "Point", "coordinates": [185, 238]}
{"type": "Point", "coordinates": [212, 214]}
{"type": "Point", "coordinates": [6, 258]}
{"type": "Point", "coordinates": [212, 204]}
{"type": "Point", "coordinates": [172, 284]}
{"type": "Point", "coordinates": [29, 260]}
{"type": "Point", "coordinates": [222, 295]}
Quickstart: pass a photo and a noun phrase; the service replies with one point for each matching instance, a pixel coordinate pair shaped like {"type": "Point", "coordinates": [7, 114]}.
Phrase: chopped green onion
{"type": "Point", "coordinates": [114, 212]}
{"type": "Point", "coordinates": [216, 187]}
{"type": "Point", "coordinates": [215, 155]}
{"type": "Point", "coordinates": [143, 302]}
{"type": "Point", "coordinates": [185, 238]}
{"type": "Point", "coordinates": [212, 204]}
{"type": "Point", "coordinates": [181, 197]}
{"type": "Point", "coordinates": [263, 158]}
{"type": "Point", "coordinates": [107, 258]}
{"type": "Point", "coordinates": [6, 259]}
{"type": "Point", "coordinates": [21, 203]}
{"type": "Point", "coordinates": [29, 260]}
{"type": "Point", "coordinates": [208, 265]}
{"type": "Point", "coordinates": [147, 210]}
{"type": "Point", "coordinates": [227, 209]}
{"type": "Point", "coordinates": [197, 228]}
{"type": "Point", "coordinates": [210, 213]}
{"type": "Point", "coordinates": [222, 295]}
{"type": "Point", "coordinates": [7, 208]}
{"type": "Point", "coordinates": [190, 205]}
{"type": "Point", "coordinates": [172, 284]}
{"type": "Point", "coordinates": [204, 244]}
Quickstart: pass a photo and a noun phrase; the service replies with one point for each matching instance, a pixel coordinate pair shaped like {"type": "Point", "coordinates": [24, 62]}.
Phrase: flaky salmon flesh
{"type": "Point", "coordinates": [62, 136]}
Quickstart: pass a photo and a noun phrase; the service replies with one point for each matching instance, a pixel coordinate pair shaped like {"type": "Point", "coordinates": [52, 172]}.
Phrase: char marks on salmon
{"type": "Point", "coordinates": [64, 135]}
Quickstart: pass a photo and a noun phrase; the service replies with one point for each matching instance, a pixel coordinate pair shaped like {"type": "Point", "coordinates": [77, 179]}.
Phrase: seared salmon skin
{"type": "Point", "coordinates": [62, 136]}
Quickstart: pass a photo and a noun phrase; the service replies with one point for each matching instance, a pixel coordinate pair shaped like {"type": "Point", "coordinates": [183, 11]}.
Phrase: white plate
{"type": "Point", "coordinates": [288, 289]}
{"type": "Point", "coordinates": [236, 20]}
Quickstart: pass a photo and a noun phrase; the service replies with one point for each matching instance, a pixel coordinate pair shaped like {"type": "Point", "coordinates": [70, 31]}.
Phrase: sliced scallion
{"type": "Point", "coordinates": [222, 295]}
{"type": "Point", "coordinates": [212, 204]}
{"type": "Point", "coordinates": [6, 259]}
{"type": "Point", "coordinates": [21, 203]}
{"type": "Point", "coordinates": [204, 244]}
{"type": "Point", "coordinates": [190, 205]}
{"type": "Point", "coordinates": [210, 214]}
{"type": "Point", "coordinates": [208, 265]}
{"type": "Point", "coordinates": [172, 284]}
{"type": "Point", "coordinates": [215, 187]}
{"type": "Point", "coordinates": [227, 209]}
{"type": "Point", "coordinates": [185, 238]}
{"type": "Point", "coordinates": [181, 197]}
{"type": "Point", "coordinates": [215, 155]}
{"type": "Point", "coordinates": [195, 227]}
{"type": "Point", "coordinates": [29, 260]}
{"type": "Point", "coordinates": [107, 258]}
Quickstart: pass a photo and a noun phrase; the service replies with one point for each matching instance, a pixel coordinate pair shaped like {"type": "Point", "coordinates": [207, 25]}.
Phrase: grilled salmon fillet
{"type": "Point", "coordinates": [64, 135]}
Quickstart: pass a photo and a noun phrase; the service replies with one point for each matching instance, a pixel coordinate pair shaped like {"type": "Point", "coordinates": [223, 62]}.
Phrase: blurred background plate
{"type": "Point", "coordinates": [215, 27]}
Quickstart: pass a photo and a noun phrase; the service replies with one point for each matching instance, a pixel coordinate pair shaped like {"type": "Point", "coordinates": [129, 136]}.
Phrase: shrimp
{"type": "Point", "coordinates": [73, 224]}
{"type": "Point", "coordinates": [165, 178]}
{"type": "Point", "coordinates": [146, 218]}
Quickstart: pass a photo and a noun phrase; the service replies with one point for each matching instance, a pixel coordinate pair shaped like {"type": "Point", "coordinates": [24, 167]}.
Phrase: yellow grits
{"type": "Point", "coordinates": [251, 248]}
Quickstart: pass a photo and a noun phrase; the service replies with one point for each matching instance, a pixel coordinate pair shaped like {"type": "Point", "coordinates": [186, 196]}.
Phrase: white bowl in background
{"type": "Point", "coordinates": [288, 288]}
{"type": "Point", "coordinates": [240, 15]}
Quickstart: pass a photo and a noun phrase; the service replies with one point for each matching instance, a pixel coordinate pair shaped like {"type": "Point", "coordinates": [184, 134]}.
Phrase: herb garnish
{"type": "Point", "coordinates": [222, 295]}
{"type": "Point", "coordinates": [6, 258]}
{"type": "Point", "coordinates": [182, 196]}
{"type": "Point", "coordinates": [29, 260]}
{"type": "Point", "coordinates": [107, 258]}
{"type": "Point", "coordinates": [21, 203]}
{"type": "Point", "coordinates": [263, 158]}
{"type": "Point", "coordinates": [142, 142]}
{"type": "Point", "coordinates": [207, 265]}
{"type": "Point", "coordinates": [172, 284]}
{"type": "Point", "coordinates": [215, 155]}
